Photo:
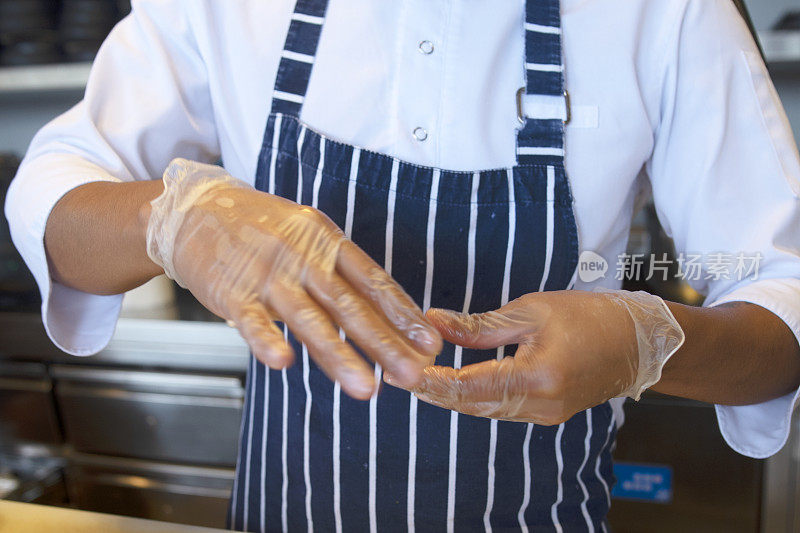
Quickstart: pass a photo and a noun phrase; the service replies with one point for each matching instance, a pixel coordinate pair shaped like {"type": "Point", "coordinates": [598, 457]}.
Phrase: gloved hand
{"type": "Point", "coordinates": [576, 350]}
{"type": "Point", "coordinates": [252, 258]}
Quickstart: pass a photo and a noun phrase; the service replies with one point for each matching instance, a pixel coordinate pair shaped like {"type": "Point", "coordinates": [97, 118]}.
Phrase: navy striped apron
{"type": "Point", "coordinates": [311, 457]}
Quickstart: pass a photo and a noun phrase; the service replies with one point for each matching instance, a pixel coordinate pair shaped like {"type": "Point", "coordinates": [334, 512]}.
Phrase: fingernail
{"type": "Point", "coordinates": [431, 338]}
{"type": "Point", "coordinates": [279, 363]}
{"type": "Point", "coordinates": [427, 337]}
{"type": "Point", "coordinates": [285, 359]}
{"type": "Point", "coordinates": [424, 398]}
{"type": "Point", "coordinates": [389, 379]}
{"type": "Point", "coordinates": [365, 384]}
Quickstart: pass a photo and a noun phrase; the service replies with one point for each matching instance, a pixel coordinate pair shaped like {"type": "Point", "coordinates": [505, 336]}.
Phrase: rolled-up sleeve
{"type": "Point", "coordinates": [146, 102]}
{"type": "Point", "coordinates": [726, 179]}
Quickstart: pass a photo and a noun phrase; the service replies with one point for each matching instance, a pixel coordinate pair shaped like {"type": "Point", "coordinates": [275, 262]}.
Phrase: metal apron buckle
{"type": "Point", "coordinates": [521, 116]}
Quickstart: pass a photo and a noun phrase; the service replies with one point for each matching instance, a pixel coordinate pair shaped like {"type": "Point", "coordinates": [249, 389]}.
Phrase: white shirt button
{"type": "Point", "coordinates": [426, 47]}
{"type": "Point", "coordinates": [420, 134]}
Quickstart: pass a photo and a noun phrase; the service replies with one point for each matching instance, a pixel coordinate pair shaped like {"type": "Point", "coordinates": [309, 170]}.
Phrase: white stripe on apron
{"type": "Point", "coordinates": [512, 225]}
{"type": "Point", "coordinates": [586, 447]}
{"type": "Point", "coordinates": [473, 222]}
{"type": "Point", "coordinates": [560, 491]}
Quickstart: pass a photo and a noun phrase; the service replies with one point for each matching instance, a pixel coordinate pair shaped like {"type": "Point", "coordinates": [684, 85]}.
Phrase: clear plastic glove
{"type": "Point", "coordinates": [576, 350]}
{"type": "Point", "coordinates": [253, 258]}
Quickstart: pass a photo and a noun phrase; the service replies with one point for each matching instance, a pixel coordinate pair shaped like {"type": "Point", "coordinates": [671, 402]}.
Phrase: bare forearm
{"type": "Point", "coordinates": [734, 354]}
{"type": "Point", "coordinates": [95, 237]}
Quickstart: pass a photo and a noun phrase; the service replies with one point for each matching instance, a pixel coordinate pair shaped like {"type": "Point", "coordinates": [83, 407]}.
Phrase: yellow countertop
{"type": "Point", "coordinates": [29, 518]}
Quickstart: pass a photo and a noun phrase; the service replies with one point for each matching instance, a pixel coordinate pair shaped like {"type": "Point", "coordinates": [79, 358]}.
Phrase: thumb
{"type": "Point", "coordinates": [481, 331]}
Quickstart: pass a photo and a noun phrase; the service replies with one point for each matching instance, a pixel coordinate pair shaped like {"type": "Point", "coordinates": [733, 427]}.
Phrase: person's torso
{"type": "Point", "coordinates": [468, 239]}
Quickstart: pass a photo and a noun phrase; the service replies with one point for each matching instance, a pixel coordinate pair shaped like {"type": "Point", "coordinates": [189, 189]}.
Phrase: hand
{"type": "Point", "coordinates": [254, 258]}
{"type": "Point", "coordinates": [576, 350]}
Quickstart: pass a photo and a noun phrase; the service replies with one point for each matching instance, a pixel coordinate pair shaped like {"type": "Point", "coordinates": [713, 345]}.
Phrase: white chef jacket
{"type": "Point", "coordinates": [666, 93]}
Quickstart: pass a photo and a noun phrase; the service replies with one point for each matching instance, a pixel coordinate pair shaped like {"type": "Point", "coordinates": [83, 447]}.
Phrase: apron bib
{"type": "Point", "coordinates": [311, 457]}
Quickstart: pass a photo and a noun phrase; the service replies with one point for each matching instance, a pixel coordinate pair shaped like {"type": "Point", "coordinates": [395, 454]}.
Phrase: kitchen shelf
{"type": "Point", "coordinates": [41, 78]}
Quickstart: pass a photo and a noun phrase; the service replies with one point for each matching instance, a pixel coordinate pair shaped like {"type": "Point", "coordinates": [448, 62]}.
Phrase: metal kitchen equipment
{"type": "Point", "coordinates": [147, 428]}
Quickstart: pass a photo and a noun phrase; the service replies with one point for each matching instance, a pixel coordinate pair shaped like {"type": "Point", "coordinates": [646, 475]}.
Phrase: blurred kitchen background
{"type": "Point", "coordinates": [149, 426]}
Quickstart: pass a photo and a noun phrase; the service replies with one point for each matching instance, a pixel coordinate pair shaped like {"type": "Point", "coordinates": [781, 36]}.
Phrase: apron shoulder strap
{"type": "Point", "coordinates": [297, 58]}
{"type": "Point", "coordinates": [541, 139]}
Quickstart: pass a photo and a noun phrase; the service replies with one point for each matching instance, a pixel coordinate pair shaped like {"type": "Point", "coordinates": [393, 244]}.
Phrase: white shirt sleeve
{"type": "Point", "coordinates": [726, 178]}
{"type": "Point", "coordinates": [146, 102]}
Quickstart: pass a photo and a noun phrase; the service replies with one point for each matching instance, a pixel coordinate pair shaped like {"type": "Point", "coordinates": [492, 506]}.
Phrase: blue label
{"type": "Point", "coordinates": [650, 483]}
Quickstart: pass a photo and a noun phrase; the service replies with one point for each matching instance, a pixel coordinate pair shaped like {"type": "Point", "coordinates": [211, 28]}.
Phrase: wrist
{"type": "Point", "coordinates": [145, 208]}
{"type": "Point", "coordinates": [658, 335]}
{"type": "Point", "coordinates": [186, 185]}
{"type": "Point", "coordinates": [150, 190]}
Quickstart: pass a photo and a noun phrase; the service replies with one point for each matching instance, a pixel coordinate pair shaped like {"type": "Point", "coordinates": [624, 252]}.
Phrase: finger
{"type": "Point", "coordinates": [377, 338]}
{"type": "Point", "coordinates": [443, 387]}
{"type": "Point", "coordinates": [371, 280]}
{"type": "Point", "coordinates": [265, 339]}
{"type": "Point", "coordinates": [312, 326]}
{"type": "Point", "coordinates": [486, 381]}
{"type": "Point", "coordinates": [540, 411]}
{"type": "Point", "coordinates": [481, 331]}
{"type": "Point", "coordinates": [483, 409]}
{"type": "Point", "coordinates": [505, 389]}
